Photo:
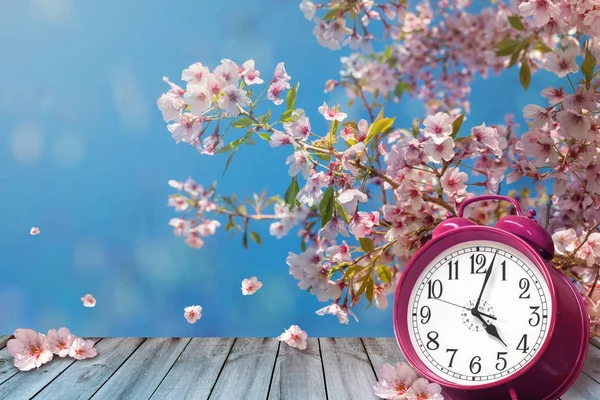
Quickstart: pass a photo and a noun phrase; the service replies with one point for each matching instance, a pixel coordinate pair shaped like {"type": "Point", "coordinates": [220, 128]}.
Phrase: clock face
{"type": "Point", "coordinates": [471, 336]}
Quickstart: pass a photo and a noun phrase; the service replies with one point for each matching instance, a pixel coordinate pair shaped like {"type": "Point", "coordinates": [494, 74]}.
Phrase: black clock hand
{"type": "Point", "coordinates": [485, 281]}
{"type": "Point", "coordinates": [467, 308]}
{"type": "Point", "coordinates": [490, 328]}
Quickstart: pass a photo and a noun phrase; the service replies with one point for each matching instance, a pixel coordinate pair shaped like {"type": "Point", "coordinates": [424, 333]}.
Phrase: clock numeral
{"type": "Point", "coordinates": [523, 344]}
{"type": "Point", "coordinates": [425, 314]}
{"type": "Point", "coordinates": [503, 270]}
{"type": "Point", "coordinates": [534, 316]}
{"type": "Point", "coordinates": [479, 262]}
{"type": "Point", "coordinates": [453, 351]}
{"type": "Point", "coordinates": [501, 359]}
{"type": "Point", "coordinates": [475, 366]}
{"type": "Point", "coordinates": [453, 270]}
{"type": "Point", "coordinates": [524, 286]}
{"type": "Point", "coordinates": [432, 344]}
{"type": "Point", "coordinates": [434, 289]}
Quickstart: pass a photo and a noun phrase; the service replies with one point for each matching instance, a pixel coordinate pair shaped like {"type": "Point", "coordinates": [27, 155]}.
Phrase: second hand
{"type": "Point", "coordinates": [467, 308]}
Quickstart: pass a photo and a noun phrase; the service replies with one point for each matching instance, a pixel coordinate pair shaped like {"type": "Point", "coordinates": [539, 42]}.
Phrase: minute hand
{"type": "Point", "coordinates": [485, 281]}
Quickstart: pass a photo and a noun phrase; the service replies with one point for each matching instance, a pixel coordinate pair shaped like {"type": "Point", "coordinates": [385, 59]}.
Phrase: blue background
{"type": "Point", "coordinates": [86, 156]}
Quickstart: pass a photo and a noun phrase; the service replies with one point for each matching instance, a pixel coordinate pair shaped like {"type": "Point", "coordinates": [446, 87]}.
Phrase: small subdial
{"type": "Point", "coordinates": [473, 323]}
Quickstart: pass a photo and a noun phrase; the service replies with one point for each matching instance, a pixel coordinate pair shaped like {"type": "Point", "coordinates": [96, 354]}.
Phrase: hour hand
{"type": "Point", "coordinates": [489, 328]}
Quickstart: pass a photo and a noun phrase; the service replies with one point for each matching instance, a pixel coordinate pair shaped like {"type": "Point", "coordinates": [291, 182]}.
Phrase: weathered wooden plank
{"type": "Point", "coordinates": [196, 370]}
{"type": "Point", "coordinates": [595, 341]}
{"type": "Point", "coordinates": [382, 350]}
{"type": "Point", "coordinates": [141, 374]}
{"type": "Point", "coordinates": [248, 369]}
{"type": "Point", "coordinates": [7, 368]}
{"type": "Point", "coordinates": [25, 384]}
{"type": "Point", "coordinates": [348, 372]}
{"type": "Point", "coordinates": [583, 388]}
{"type": "Point", "coordinates": [298, 374]}
{"type": "Point", "coordinates": [4, 340]}
{"type": "Point", "coordinates": [82, 379]}
{"type": "Point", "coordinates": [592, 363]}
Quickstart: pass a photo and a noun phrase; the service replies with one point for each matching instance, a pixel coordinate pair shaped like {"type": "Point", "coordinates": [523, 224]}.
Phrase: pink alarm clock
{"type": "Point", "coordinates": [481, 311]}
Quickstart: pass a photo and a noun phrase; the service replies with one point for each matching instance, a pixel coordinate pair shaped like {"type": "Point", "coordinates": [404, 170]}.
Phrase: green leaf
{"type": "Point", "coordinates": [229, 160]}
{"type": "Point", "coordinates": [457, 124]}
{"type": "Point", "coordinates": [245, 239]}
{"type": "Point", "coordinates": [291, 193]}
{"type": "Point", "coordinates": [265, 118]}
{"type": "Point", "coordinates": [525, 74]}
{"type": "Point", "coordinates": [242, 122]}
{"type": "Point", "coordinates": [370, 289]}
{"type": "Point", "coordinates": [381, 125]}
{"type": "Point", "coordinates": [256, 237]}
{"type": "Point", "coordinates": [342, 213]}
{"type": "Point", "coordinates": [513, 59]}
{"type": "Point", "coordinates": [362, 288]}
{"type": "Point", "coordinates": [264, 136]}
{"type": "Point", "coordinates": [290, 99]}
{"type": "Point", "coordinates": [384, 273]}
{"type": "Point", "coordinates": [302, 245]}
{"type": "Point", "coordinates": [366, 244]}
{"type": "Point", "coordinates": [286, 116]}
{"type": "Point", "coordinates": [230, 225]}
{"type": "Point", "coordinates": [326, 206]}
{"type": "Point", "coordinates": [233, 145]}
{"type": "Point", "coordinates": [507, 47]}
{"type": "Point", "coordinates": [380, 115]}
{"type": "Point", "coordinates": [227, 200]}
{"type": "Point", "coordinates": [516, 23]}
{"type": "Point", "coordinates": [334, 127]}
{"type": "Point", "coordinates": [588, 65]}
{"type": "Point", "coordinates": [542, 48]}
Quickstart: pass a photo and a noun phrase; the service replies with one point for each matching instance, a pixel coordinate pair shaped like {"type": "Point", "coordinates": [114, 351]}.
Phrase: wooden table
{"type": "Point", "coordinates": [225, 368]}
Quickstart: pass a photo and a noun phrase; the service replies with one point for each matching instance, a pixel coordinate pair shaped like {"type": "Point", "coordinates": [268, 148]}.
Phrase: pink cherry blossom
{"type": "Point", "coordinates": [564, 240]}
{"type": "Point", "coordinates": [562, 62]}
{"type": "Point", "coordinates": [541, 10]}
{"type": "Point", "coordinates": [170, 106]}
{"type": "Point", "coordinates": [275, 91]}
{"type": "Point", "coordinates": [195, 73]}
{"type": "Point", "coordinates": [198, 98]}
{"type": "Point", "coordinates": [250, 286]}
{"type": "Point", "coordinates": [280, 73]}
{"type": "Point", "coordinates": [81, 349]}
{"type": "Point", "coordinates": [294, 337]}
{"type": "Point", "coordinates": [250, 75]}
{"type": "Point", "coordinates": [29, 349]}
{"type": "Point", "coordinates": [232, 98]}
{"type": "Point", "coordinates": [192, 313]}
{"type": "Point", "coordinates": [308, 8]}
{"type": "Point", "coordinates": [332, 113]}
{"type": "Point", "coordinates": [394, 382]}
{"type": "Point", "coordinates": [341, 312]}
{"type": "Point", "coordinates": [436, 151]}
{"type": "Point", "coordinates": [454, 182]}
{"type": "Point", "coordinates": [554, 95]}
{"type": "Point", "coordinates": [421, 389]}
{"type": "Point", "coordinates": [349, 199]}
{"type": "Point", "coordinates": [339, 253]}
{"type": "Point", "coordinates": [229, 72]}
{"type": "Point", "coordinates": [299, 163]}
{"type": "Point", "coordinates": [438, 127]}
{"type": "Point", "coordinates": [88, 300]}
{"type": "Point", "coordinates": [34, 231]}
{"type": "Point", "coordinates": [60, 341]}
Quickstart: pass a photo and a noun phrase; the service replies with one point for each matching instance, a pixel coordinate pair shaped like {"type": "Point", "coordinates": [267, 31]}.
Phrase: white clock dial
{"type": "Point", "coordinates": [508, 327]}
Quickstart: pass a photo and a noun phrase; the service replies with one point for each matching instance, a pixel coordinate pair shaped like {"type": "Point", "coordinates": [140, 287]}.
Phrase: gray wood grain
{"type": "Point", "coordinates": [595, 341]}
{"type": "Point", "coordinates": [25, 384]}
{"type": "Point", "coordinates": [82, 379]}
{"type": "Point", "coordinates": [382, 350]}
{"type": "Point", "coordinates": [7, 368]}
{"type": "Point", "coordinates": [592, 363]}
{"type": "Point", "coordinates": [196, 370]}
{"type": "Point", "coordinates": [247, 371]}
{"type": "Point", "coordinates": [298, 374]}
{"type": "Point", "coordinates": [583, 388]}
{"type": "Point", "coordinates": [141, 374]}
{"type": "Point", "coordinates": [4, 340]}
{"type": "Point", "coordinates": [348, 372]}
